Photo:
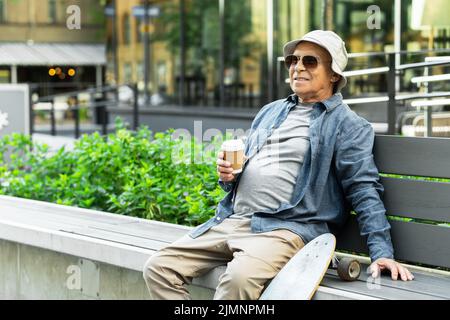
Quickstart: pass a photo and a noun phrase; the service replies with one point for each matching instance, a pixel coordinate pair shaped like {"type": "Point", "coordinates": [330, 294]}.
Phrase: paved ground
{"type": "Point", "coordinates": [67, 129]}
{"type": "Point", "coordinates": [54, 142]}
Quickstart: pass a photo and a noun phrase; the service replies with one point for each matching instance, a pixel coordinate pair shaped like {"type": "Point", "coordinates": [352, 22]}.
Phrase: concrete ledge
{"type": "Point", "coordinates": [124, 256]}
{"type": "Point", "coordinates": [66, 234]}
{"type": "Point", "coordinates": [30, 272]}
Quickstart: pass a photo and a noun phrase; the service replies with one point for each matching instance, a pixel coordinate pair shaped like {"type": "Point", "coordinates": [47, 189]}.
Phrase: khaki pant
{"type": "Point", "coordinates": [251, 258]}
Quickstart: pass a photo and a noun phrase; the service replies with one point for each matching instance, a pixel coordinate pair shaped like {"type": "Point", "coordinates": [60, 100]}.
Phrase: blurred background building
{"type": "Point", "coordinates": [191, 37]}
{"type": "Point", "coordinates": [37, 47]}
{"type": "Point", "coordinates": [211, 53]}
{"type": "Point", "coordinates": [218, 52]}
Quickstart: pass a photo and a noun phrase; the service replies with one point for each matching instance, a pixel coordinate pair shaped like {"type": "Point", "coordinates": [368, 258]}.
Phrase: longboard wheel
{"type": "Point", "coordinates": [348, 269]}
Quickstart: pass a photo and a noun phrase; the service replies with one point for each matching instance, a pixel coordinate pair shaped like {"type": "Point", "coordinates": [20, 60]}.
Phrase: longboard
{"type": "Point", "coordinates": [301, 276]}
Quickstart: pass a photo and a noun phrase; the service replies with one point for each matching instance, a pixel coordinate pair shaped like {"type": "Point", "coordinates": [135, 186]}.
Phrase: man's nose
{"type": "Point", "coordinates": [299, 66]}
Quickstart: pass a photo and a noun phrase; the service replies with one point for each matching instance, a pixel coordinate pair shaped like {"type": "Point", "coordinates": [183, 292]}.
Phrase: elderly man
{"type": "Point", "coordinates": [308, 158]}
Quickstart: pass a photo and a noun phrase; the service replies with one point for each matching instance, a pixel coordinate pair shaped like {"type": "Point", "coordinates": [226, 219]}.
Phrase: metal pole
{"type": "Point", "coordinates": [397, 39]}
{"type": "Point", "coordinates": [146, 53]}
{"type": "Point", "coordinates": [428, 122]}
{"type": "Point", "coordinates": [76, 115]}
{"type": "Point", "coordinates": [290, 16]}
{"type": "Point", "coordinates": [182, 52]}
{"type": "Point", "coordinates": [428, 118]}
{"type": "Point", "coordinates": [391, 94]}
{"type": "Point", "coordinates": [52, 119]}
{"type": "Point", "coordinates": [324, 15]}
{"type": "Point", "coordinates": [280, 79]}
{"type": "Point", "coordinates": [222, 53]}
{"type": "Point", "coordinates": [100, 111]}
{"type": "Point", "coordinates": [14, 74]}
{"type": "Point", "coordinates": [328, 14]}
{"type": "Point", "coordinates": [114, 47]}
{"type": "Point", "coordinates": [99, 76]}
{"type": "Point", "coordinates": [135, 107]}
{"type": "Point", "coordinates": [270, 27]}
{"type": "Point", "coordinates": [31, 102]}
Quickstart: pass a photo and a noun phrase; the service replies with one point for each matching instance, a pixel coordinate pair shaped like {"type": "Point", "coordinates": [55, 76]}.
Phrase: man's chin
{"type": "Point", "coordinates": [302, 93]}
{"type": "Point", "coordinates": [306, 97]}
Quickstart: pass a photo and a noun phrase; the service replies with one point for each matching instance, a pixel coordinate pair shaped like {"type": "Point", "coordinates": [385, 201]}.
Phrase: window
{"type": "Point", "coordinates": [139, 34]}
{"type": "Point", "coordinates": [127, 72]}
{"type": "Point", "coordinates": [140, 71]}
{"type": "Point", "coordinates": [2, 11]}
{"type": "Point", "coordinates": [4, 75]}
{"type": "Point", "coordinates": [126, 30]}
{"type": "Point", "coordinates": [52, 11]}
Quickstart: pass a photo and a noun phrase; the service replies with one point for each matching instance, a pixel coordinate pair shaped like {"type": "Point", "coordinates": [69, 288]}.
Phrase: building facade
{"type": "Point", "coordinates": [54, 44]}
{"type": "Point", "coordinates": [46, 21]}
{"type": "Point", "coordinates": [210, 46]}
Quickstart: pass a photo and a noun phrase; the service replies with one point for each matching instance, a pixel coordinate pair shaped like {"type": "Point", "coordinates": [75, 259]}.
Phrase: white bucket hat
{"type": "Point", "coordinates": [331, 42]}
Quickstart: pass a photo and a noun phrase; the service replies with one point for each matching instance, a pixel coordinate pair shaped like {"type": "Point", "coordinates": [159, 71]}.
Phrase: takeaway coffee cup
{"type": "Point", "coordinates": [233, 151]}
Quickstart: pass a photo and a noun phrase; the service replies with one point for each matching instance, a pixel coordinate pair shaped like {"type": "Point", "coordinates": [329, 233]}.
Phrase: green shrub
{"type": "Point", "coordinates": [130, 173]}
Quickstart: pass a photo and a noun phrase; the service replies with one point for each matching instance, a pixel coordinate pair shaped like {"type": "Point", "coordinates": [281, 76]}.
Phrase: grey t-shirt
{"type": "Point", "coordinates": [269, 177]}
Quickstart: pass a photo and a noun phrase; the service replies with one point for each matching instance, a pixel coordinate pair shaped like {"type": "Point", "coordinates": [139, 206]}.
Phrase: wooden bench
{"type": "Point", "coordinates": [426, 239]}
{"type": "Point", "coordinates": [53, 237]}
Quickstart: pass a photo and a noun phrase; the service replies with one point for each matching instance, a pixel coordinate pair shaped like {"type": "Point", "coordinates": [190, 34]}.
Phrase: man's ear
{"type": "Point", "coordinates": [335, 77]}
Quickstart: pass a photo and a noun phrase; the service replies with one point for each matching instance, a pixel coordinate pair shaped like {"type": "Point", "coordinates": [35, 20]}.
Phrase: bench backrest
{"type": "Point", "coordinates": [424, 237]}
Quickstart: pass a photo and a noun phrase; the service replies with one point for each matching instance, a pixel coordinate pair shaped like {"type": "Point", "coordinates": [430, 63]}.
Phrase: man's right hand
{"type": "Point", "coordinates": [224, 169]}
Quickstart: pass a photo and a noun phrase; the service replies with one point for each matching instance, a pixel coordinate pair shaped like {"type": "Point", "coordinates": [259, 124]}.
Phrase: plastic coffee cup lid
{"type": "Point", "coordinates": [233, 145]}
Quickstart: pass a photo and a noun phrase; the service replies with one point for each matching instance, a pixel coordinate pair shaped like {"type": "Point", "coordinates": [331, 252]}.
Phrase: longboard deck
{"type": "Point", "coordinates": [301, 276]}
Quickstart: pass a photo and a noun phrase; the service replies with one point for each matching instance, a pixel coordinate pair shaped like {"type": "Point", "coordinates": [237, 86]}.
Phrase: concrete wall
{"type": "Point", "coordinates": [33, 273]}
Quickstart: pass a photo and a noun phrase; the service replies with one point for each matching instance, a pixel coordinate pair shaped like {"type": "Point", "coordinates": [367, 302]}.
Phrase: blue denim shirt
{"type": "Point", "coordinates": [338, 172]}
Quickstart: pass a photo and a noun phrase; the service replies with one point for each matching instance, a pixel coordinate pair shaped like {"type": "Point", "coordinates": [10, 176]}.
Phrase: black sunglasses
{"type": "Point", "coordinates": [308, 61]}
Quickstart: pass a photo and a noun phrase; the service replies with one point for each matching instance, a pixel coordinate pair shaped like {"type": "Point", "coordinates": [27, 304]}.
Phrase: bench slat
{"type": "Point", "coordinates": [161, 233]}
{"type": "Point", "coordinates": [74, 215]}
{"type": "Point", "coordinates": [417, 199]}
{"type": "Point", "coordinates": [117, 238]}
{"type": "Point", "coordinates": [38, 220]}
{"type": "Point", "coordinates": [414, 156]}
{"type": "Point", "coordinates": [56, 216]}
{"type": "Point", "coordinates": [430, 285]}
{"type": "Point", "coordinates": [413, 242]}
{"type": "Point", "coordinates": [61, 214]}
{"type": "Point", "coordinates": [383, 292]}
{"type": "Point", "coordinates": [138, 232]}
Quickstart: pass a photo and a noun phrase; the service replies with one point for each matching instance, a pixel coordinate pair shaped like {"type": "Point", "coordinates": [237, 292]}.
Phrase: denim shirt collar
{"type": "Point", "coordinates": [330, 104]}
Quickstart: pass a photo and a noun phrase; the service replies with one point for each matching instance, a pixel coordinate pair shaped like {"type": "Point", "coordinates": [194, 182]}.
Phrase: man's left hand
{"type": "Point", "coordinates": [394, 267]}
